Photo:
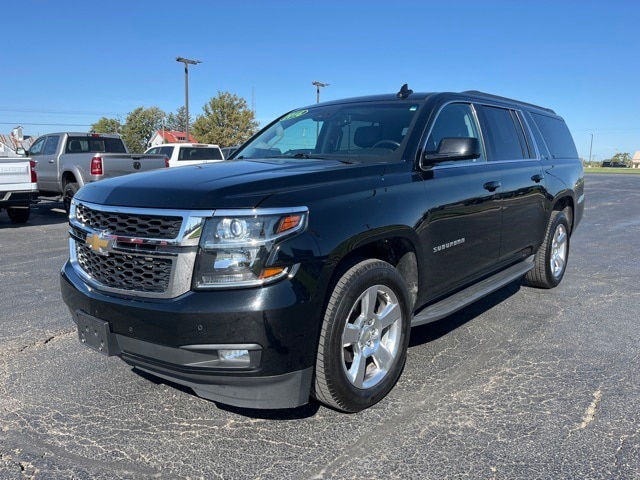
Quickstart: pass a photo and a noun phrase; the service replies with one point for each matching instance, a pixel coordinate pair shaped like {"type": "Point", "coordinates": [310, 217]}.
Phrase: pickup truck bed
{"type": "Point", "coordinates": [18, 187]}
{"type": "Point", "coordinates": [69, 160]}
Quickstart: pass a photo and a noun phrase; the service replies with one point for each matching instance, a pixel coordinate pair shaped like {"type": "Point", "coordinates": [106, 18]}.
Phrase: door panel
{"type": "Point", "coordinates": [461, 231]}
{"type": "Point", "coordinates": [47, 168]}
{"type": "Point", "coordinates": [462, 227]}
{"type": "Point", "coordinates": [525, 208]}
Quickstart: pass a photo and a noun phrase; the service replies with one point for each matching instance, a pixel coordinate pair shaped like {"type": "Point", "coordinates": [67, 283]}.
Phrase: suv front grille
{"type": "Point", "coordinates": [133, 225]}
{"type": "Point", "coordinates": [126, 272]}
{"type": "Point", "coordinates": [134, 251]}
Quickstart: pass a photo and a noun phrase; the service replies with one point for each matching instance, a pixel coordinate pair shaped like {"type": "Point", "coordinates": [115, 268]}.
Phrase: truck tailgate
{"type": "Point", "coordinates": [115, 164]}
{"type": "Point", "coordinates": [15, 174]}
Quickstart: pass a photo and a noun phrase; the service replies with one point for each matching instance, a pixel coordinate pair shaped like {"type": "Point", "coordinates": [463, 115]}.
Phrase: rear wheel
{"type": "Point", "coordinates": [19, 214]}
{"type": "Point", "coordinates": [552, 256]}
{"type": "Point", "coordinates": [364, 337]}
{"type": "Point", "coordinates": [70, 189]}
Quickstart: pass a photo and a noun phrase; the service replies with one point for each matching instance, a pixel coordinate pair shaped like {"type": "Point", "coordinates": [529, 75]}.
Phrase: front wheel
{"type": "Point", "coordinates": [552, 256]}
{"type": "Point", "coordinates": [364, 337]}
{"type": "Point", "coordinates": [70, 189]}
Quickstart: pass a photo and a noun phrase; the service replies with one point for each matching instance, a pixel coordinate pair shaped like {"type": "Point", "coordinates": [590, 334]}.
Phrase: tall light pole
{"type": "Point", "coordinates": [318, 85]}
{"type": "Point", "coordinates": [187, 62]}
{"type": "Point", "coordinates": [591, 148]}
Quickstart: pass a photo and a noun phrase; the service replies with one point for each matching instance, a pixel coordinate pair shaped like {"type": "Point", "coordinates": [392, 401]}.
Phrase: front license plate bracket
{"type": "Point", "coordinates": [96, 334]}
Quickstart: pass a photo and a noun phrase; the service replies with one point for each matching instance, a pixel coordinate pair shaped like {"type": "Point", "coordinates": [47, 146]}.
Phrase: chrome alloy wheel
{"type": "Point", "coordinates": [559, 250]}
{"type": "Point", "coordinates": [371, 337]}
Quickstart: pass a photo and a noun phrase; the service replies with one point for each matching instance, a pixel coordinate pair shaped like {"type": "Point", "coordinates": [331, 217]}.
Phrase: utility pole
{"type": "Point", "coordinates": [318, 85]}
{"type": "Point", "coordinates": [187, 62]}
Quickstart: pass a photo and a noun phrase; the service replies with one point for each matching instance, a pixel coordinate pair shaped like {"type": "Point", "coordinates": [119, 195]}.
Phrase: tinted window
{"type": "Point", "coordinates": [95, 144]}
{"type": "Point", "coordinates": [556, 135]}
{"type": "Point", "coordinates": [161, 151]}
{"type": "Point", "coordinates": [503, 134]}
{"type": "Point", "coordinates": [456, 120]}
{"type": "Point", "coordinates": [542, 146]}
{"type": "Point", "coordinates": [199, 153]}
{"type": "Point", "coordinates": [51, 146]}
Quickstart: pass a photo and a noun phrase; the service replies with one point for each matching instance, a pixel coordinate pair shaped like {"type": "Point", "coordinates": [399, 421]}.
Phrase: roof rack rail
{"type": "Point", "coordinates": [498, 97]}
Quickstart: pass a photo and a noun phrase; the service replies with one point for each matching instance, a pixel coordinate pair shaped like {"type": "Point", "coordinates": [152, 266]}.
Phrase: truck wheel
{"type": "Point", "coordinates": [70, 189]}
{"type": "Point", "coordinates": [551, 258]}
{"type": "Point", "coordinates": [364, 337]}
{"type": "Point", "coordinates": [19, 214]}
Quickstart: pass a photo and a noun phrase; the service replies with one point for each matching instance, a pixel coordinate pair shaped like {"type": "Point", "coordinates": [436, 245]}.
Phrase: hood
{"type": "Point", "coordinates": [231, 184]}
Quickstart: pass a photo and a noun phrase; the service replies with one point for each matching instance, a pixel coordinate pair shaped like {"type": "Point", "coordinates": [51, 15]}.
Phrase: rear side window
{"type": "Point", "coordinates": [504, 134]}
{"type": "Point", "coordinates": [556, 135]}
{"type": "Point", "coordinates": [51, 146]}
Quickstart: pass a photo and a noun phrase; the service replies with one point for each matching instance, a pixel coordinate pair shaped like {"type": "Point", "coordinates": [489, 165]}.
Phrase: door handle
{"type": "Point", "coordinates": [492, 186]}
{"type": "Point", "coordinates": [51, 161]}
{"type": "Point", "coordinates": [537, 177]}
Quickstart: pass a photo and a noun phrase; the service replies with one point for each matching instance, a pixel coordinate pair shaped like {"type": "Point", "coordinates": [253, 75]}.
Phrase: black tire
{"type": "Point", "coordinates": [70, 189]}
{"type": "Point", "coordinates": [552, 256]}
{"type": "Point", "coordinates": [358, 332]}
{"type": "Point", "coordinates": [19, 214]}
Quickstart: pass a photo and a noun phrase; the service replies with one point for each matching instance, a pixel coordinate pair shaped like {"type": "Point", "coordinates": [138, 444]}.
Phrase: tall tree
{"type": "Point", "coordinates": [106, 125]}
{"type": "Point", "coordinates": [226, 121]}
{"type": "Point", "coordinates": [140, 126]}
{"type": "Point", "coordinates": [177, 121]}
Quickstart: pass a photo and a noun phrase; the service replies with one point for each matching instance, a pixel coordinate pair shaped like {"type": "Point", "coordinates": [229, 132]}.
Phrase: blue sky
{"type": "Point", "coordinates": [66, 64]}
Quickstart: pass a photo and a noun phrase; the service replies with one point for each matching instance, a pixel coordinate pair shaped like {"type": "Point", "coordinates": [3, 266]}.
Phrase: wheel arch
{"type": "Point", "coordinates": [565, 202]}
{"type": "Point", "coordinates": [69, 176]}
{"type": "Point", "coordinates": [399, 247]}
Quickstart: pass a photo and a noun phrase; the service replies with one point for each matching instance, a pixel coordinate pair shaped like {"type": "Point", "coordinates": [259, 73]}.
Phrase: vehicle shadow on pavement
{"type": "Point", "coordinates": [305, 411]}
{"type": "Point", "coordinates": [433, 331]}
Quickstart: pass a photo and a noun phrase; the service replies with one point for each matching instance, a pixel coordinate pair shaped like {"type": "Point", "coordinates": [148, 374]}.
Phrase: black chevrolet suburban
{"type": "Point", "coordinates": [298, 268]}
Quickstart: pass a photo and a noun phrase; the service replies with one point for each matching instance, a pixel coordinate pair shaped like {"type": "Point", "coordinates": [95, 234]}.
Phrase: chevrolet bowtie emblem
{"type": "Point", "coordinates": [100, 243]}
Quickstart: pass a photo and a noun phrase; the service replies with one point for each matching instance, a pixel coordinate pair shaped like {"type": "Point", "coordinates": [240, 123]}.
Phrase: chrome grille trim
{"type": "Point", "coordinates": [135, 251]}
{"type": "Point", "coordinates": [130, 224]}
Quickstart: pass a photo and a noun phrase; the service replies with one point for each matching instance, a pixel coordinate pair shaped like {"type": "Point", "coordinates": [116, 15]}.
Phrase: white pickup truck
{"type": "Point", "coordinates": [67, 161]}
{"type": "Point", "coordinates": [18, 187]}
{"type": "Point", "coordinates": [180, 154]}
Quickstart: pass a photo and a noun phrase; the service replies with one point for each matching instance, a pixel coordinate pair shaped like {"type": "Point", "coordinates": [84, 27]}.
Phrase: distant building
{"type": "Point", "coordinates": [635, 161]}
{"type": "Point", "coordinates": [170, 136]}
{"type": "Point", "coordinates": [11, 142]}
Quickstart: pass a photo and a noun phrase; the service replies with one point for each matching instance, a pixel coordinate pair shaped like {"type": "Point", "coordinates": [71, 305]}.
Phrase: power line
{"type": "Point", "coordinates": [56, 112]}
{"type": "Point", "coordinates": [48, 124]}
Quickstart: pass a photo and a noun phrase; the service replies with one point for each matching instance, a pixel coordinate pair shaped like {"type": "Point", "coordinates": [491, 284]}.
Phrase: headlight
{"type": "Point", "coordinates": [236, 245]}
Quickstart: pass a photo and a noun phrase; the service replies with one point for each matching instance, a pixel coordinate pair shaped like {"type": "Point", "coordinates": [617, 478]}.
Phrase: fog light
{"type": "Point", "coordinates": [235, 357]}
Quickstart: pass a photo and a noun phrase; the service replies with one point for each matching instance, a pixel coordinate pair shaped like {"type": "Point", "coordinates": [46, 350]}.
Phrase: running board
{"type": "Point", "coordinates": [475, 292]}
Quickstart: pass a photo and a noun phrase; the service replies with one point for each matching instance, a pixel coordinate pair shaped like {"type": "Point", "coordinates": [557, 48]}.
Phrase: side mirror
{"type": "Point", "coordinates": [21, 151]}
{"type": "Point", "coordinates": [455, 148]}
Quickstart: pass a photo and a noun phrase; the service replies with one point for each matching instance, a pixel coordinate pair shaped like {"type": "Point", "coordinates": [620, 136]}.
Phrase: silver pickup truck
{"type": "Point", "coordinates": [18, 187]}
{"type": "Point", "coordinates": [66, 161]}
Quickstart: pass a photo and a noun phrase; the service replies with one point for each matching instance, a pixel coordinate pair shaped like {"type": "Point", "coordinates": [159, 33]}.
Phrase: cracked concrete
{"type": "Point", "coordinates": [525, 384]}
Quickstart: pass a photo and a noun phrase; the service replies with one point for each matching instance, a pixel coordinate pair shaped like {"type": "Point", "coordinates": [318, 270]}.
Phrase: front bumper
{"type": "Point", "coordinates": [180, 339]}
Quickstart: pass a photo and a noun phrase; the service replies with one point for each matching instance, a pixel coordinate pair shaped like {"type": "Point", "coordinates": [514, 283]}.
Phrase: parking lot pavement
{"type": "Point", "coordinates": [523, 384]}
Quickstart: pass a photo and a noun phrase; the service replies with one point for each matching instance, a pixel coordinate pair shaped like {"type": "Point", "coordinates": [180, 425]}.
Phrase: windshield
{"type": "Point", "coordinates": [357, 131]}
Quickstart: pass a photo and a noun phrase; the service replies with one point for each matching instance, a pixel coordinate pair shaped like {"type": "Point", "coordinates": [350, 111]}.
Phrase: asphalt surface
{"type": "Point", "coordinates": [525, 384]}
